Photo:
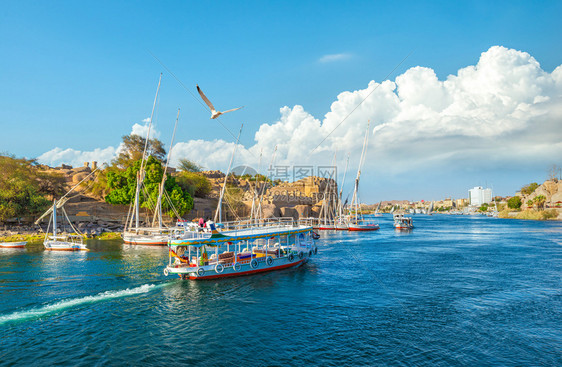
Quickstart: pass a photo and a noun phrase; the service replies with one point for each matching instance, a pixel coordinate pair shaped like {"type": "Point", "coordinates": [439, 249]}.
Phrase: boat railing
{"type": "Point", "coordinates": [261, 223]}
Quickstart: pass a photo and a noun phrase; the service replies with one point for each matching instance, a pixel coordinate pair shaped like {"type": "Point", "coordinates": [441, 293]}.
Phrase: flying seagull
{"type": "Point", "coordinates": [214, 113]}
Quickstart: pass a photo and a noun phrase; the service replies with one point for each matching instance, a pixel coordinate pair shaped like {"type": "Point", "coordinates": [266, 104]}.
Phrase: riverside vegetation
{"type": "Point", "coordinates": [536, 202]}
{"type": "Point", "coordinates": [28, 188]}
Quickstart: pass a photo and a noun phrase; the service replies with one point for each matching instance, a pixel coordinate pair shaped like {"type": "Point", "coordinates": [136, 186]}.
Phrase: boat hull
{"type": "Point", "coordinates": [146, 240]}
{"type": "Point", "coordinates": [363, 228]}
{"type": "Point", "coordinates": [228, 271]}
{"type": "Point", "coordinates": [146, 243]}
{"type": "Point", "coordinates": [249, 272]}
{"type": "Point", "coordinates": [403, 228]}
{"type": "Point", "coordinates": [13, 244]}
{"type": "Point", "coordinates": [64, 247]}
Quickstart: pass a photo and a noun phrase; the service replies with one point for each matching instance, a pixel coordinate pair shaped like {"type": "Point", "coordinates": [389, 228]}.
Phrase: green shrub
{"type": "Point", "coordinates": [514, 202]}
{"type": "Point", "coordinates": [22, 186]}
{"type": "Point", "coordinates": [194, 183]}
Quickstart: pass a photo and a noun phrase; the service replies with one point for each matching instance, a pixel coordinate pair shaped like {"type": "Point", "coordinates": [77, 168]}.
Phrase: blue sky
{"type": "Point", "coordinates": [79, 75]}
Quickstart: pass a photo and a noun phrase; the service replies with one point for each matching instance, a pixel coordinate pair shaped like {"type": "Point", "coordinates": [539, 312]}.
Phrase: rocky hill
{"type": "Point", "coordinates": [550, 189]}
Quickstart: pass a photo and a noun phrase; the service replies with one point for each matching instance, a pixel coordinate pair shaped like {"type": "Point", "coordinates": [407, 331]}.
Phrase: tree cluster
{"type": "Point", "coordinates": [122, 187]}
{"type": "Point", "coordinates": [529, 189]}
{"type": "Point", "coordinates": [24, 187]}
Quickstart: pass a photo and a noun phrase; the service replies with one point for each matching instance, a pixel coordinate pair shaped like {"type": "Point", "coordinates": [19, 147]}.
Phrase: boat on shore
{"type": "Point", "coordinates": [241, 248]}
{"type": "Point", "coordinates": [13, 244]}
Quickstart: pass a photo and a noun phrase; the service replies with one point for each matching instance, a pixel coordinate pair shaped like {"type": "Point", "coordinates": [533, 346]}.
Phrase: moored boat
{"type": "Point", "coordinates": [363, 225]}
{"type": "Point", "coordinates": [13, 244]}
{"type": "Point", "coordinates": [240, 249]}
{"type": "Point", "coordinates": [65, 243]}
{"type": "Point", "coordinates": [155, 233]}
{"type": "Point", "coordinates": [62, 242]}
{"type": "Point", "coordinates": [356, 221]}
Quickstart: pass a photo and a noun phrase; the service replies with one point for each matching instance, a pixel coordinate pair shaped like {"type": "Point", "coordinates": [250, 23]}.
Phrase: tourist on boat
{"type": "Point", "coordinates": [201, 222]}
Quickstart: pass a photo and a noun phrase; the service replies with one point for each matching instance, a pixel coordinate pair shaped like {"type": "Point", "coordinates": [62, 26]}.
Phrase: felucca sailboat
{"type": "Point", "coordinates": [64, 241]}
{"type": "Point", "coordinates": [157, 233]}
{"type": "Point", "coordinates": [356, 220]}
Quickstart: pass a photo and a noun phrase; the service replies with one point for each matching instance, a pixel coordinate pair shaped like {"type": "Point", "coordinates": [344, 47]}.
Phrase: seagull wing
{"type": "Point", "coordinates": [234, 109]}
{"type": "Point", "coordinates": [205, 99]}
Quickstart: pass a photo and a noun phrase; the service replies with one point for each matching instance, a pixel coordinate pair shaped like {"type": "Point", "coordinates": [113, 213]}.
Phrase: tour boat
{"type": "Point", "coordinates": [240, 249]}
{"type": "Point", "coordinates": [13, 244]}
{"type": "Point", "coordinates": [402, 222]}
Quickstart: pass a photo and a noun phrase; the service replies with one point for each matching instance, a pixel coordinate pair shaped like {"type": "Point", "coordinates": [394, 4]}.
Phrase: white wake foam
{"type": "Point", "coordinates": [62, 305]}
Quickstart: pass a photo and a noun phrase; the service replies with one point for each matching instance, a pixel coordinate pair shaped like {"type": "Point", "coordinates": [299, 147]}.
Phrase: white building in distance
{"type": "Point", "coordinates": [479, 196]}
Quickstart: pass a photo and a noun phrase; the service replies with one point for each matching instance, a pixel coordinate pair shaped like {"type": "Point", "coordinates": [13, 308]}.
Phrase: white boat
{"type": "Point", "coordinates": [65, 243]}
{"type": "Point", "coordinates": [356, 221]}
{"type": "Point", "coordinates": [402, 222]}
{"type": "Point", "coordinates": [240, 249]}
{"type": "Point", "coordinates": [62, 242]}
{"type": "Point", "coordinates": [13, 244]}
{"type": "Point", "coordinates": [157, 234]}
{"type": "Point", "coordinates": [377, 211]}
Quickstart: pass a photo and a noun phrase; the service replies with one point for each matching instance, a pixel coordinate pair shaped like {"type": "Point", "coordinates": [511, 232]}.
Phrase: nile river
{"type": "Point", "coordinates": [454, 291]}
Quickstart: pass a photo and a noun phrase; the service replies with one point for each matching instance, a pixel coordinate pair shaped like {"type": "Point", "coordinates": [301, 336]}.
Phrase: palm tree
{"type": "Point", "coordinates": [540, 200]}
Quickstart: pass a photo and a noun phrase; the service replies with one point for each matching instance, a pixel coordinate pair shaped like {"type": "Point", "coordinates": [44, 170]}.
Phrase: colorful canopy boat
{"type": "Point", "coordinates": [242, 248]}
{"type": "Point", "coordinates": [13, 244]}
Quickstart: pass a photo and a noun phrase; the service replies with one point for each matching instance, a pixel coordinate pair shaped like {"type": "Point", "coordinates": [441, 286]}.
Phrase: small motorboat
{"type": "Point", "coordinates": [401, 222]}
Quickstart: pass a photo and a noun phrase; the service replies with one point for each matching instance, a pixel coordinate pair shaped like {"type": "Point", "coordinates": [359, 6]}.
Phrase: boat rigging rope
{"type": "Point", "coordinates": [69, 222]}
{"type": "Point", "coordinates": [148, 199]}
{"type": "Point", "coordinates": [169, 200]}
{"type": "Point", "coordinates": [128, 214]}
{"type": "Point", "coordinates": [231, 208]}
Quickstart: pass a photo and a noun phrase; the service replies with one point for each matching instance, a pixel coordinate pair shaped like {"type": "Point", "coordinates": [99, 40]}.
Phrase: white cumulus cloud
{"type": "Point", "coordinates": [503, 111]}
{"type": "Point", "coordinates": [75, 158]}
{"type": "Point", "coordinates": [57, 156]}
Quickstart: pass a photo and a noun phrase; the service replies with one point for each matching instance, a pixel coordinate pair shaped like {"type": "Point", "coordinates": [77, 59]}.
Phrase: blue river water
{"type": "Point", "coordinates": [457, 290]}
